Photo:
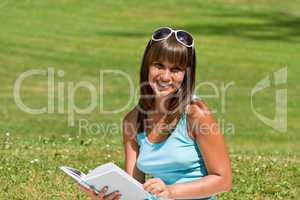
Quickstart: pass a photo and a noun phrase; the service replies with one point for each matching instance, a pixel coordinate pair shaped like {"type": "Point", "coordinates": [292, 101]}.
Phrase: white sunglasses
{"type": "Point", "coordinates": [184, 37]}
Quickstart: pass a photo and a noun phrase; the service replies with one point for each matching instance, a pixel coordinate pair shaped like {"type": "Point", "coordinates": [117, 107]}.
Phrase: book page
{"type": "Point", "coordinates": [115, 181]}
{"type": "Point", "coordinates": [101, 169]}
{"type": "Point", "coordinates": [74, 173]}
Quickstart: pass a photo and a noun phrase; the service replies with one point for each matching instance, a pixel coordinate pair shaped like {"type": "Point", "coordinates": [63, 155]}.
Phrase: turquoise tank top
{"type": "Point", "coordinates": [174, 160]}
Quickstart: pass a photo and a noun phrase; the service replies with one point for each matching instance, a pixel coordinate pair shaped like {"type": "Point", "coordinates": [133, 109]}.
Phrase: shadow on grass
{"type": "Point", "coordinates": [276, 26]}
{"type": "Point", "coordinates": [257, 26]}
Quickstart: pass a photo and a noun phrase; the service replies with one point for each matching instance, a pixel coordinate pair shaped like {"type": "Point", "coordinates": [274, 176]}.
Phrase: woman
{"type": "Point", "coordinates": [170, 135]}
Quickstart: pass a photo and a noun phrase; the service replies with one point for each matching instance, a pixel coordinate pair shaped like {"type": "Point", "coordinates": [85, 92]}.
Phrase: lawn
{"type": "Point", "coordinates": [238, 43]}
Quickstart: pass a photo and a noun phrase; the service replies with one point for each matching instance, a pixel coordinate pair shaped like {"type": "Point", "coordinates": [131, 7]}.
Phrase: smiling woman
{"type": "Point", "coordinates": [165, 77]}
{"type": "Point", "coordinates": [163, 135]}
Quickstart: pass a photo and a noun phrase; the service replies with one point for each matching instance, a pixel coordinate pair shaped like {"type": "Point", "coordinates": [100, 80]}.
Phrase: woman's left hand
{"type": "Point", "coordinates": [158, 188]}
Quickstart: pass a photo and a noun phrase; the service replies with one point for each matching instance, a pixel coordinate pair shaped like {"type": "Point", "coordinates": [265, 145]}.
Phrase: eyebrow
{"type": "Point", "coordinates": [158, 62]}
{"type": "Point", "coordinates": [173, 66]}
{"type": "Point", "coordinates": [178, 66]}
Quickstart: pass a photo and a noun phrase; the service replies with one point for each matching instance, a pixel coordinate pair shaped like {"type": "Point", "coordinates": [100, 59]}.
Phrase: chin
{"type": "Point", "coordinates": [163, 93]}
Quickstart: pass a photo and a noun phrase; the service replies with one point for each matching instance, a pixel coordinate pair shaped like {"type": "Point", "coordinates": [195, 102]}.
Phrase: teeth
{"type": "Point", "coordinates": [164, 85]}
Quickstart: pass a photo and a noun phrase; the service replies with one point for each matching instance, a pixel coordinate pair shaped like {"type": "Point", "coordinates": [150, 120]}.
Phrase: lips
{"type": "Point", "coordinates": [163, 85]}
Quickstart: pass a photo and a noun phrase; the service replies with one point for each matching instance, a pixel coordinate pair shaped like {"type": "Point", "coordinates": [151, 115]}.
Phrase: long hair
{"type": "Point", "coordinates": [172, 51]}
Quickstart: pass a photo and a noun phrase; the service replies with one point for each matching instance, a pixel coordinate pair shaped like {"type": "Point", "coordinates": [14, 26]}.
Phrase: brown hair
{"type": "Point", "coordinates": [174, 52]}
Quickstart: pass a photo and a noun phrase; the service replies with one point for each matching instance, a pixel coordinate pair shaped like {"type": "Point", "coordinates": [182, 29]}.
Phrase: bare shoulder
{"type": "Point", "coordinates": [199, 111]}
{"type": "Point", "coordinates": [200, 118]}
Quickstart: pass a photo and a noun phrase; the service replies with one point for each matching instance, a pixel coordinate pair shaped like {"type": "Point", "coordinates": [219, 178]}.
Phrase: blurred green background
{"type": "Point", "coordinates": [238, 41]}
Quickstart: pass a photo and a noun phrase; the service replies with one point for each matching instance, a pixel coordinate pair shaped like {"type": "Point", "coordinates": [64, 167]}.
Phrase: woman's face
{"type": "Point", "coordinates": [165, 78]}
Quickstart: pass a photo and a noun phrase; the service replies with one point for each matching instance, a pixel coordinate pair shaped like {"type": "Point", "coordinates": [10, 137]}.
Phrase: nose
{"type": "Point", "coordinates": [166, 75]}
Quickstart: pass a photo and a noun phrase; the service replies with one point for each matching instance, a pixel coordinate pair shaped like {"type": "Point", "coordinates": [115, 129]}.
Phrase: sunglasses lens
{"type": "Point", "coordinates": [161, 33]}
{"type": "Point", "coordinates": [185, 38]}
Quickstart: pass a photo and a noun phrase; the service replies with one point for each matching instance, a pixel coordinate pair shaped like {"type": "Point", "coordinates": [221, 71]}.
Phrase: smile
{"type": "Point", "coordinates": [164, 85]}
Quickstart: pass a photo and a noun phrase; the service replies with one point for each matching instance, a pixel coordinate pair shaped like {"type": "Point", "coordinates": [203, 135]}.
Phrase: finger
{"type": "Point", "coordinates": [89, 192]}
{"type": "Point", "coordinates": [158, 186]}
{"type": "Point", "coordinates": [102, 192]}
{"type": "Point", "coordinates": [149, 182]}
{"type": "Point", "coordinates": [117, 197]}
{"type": "Point", "coordinates": [111, 196]}
{"type": "Point", "coordinates": [155, 190]}
{"type": "Point", "coordinates": [149, 187]}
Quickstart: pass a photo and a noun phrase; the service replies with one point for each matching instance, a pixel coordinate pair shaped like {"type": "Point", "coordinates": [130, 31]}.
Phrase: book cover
{"type": "Point", "coordinates": [112, 176]}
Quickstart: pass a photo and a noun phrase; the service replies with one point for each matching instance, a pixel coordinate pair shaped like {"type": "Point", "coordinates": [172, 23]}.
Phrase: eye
{"type": "Point", "coordinates": [176, 69]}
{"type": "Point", "coordinates": [158, 65]}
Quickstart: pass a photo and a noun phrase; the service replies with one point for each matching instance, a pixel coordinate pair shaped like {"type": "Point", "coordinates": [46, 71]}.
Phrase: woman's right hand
{"type": "Point", "coordinates": [101, 195]}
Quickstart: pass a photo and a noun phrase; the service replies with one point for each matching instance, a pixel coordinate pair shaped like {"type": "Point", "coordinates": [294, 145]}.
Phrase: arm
{"type": "Point", "coordinates": [203, 128]}
{"type": "Point", "coordinates": [131, 147]}
{"type": "Point", "coordinates": [131, 153]}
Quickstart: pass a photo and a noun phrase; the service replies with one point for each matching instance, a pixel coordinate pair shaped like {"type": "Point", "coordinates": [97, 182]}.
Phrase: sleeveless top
{"type": "Point", "coordinates": [174, 160]}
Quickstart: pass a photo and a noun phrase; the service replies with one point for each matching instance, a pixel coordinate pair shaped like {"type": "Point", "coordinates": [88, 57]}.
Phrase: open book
{"type": "Point", "coordinates": [114, 177]}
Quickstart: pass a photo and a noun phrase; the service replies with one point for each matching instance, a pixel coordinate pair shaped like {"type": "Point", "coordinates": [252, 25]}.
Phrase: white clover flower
{"type": "Point", "coordinates": [259, 157]}
{"type": "Point", "coordinates": [34, 161]}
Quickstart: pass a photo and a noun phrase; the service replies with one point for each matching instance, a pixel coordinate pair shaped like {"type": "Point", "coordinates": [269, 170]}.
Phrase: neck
{"type": "Point", "coordinates": [160, 105]}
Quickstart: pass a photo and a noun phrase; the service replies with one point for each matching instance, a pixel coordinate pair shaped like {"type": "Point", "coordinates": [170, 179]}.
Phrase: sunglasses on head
{"type": "Point", "coordinates": [183, 37]}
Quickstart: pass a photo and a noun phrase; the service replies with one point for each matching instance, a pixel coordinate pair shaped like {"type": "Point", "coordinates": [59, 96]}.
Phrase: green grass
{"type": "Point", "coordinates": [240, 41]}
